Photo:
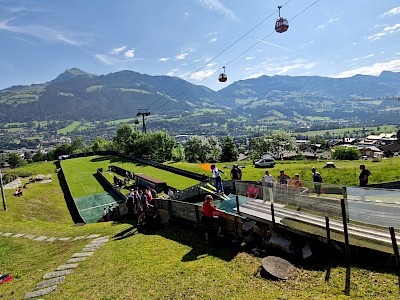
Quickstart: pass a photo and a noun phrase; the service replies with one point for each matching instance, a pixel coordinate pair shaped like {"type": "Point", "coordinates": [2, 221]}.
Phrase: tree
{"type": "Point", "coordinates": [99, 144]}
{"type": "Point", "coordinates": [39, 156]}
{"type": "Point", "coordinates": [229, 150]}
{"type": "Point", "coordinates": [15, 160]}
{"type": "Point", "coordinates": [120, 140]}
{"type": "Point", "coordinates": [62, 149]}
{"type": "Point", "coordinates": [196, 149]}
{"type": "Point", "coordinates": [345, 153]}
{"type": "Point", "coordinates": [77, 146]}
{"type": "Point", "coordinates": [275, 144]}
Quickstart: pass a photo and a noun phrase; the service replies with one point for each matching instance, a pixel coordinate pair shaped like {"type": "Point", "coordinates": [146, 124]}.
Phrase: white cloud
{"type": "Point", "coordinates": [118, 50]}
{"type": "Point", "coordinates": [172, 72]}
{"type": "Point", "coordinates": [367, 56]}
{"type": "Point", "coordinates": [203, 74]}
{"type": "Point", "coordinates": [385, 31]}
{"type": "Point", "coordinates": [333, 20]}
{"type": "Point", "coordinates": [181, 56]}
{"type": "Point", "coordinates": [393, 11]}
{"type": "Point", "coordinates": [375, 69]}
{"type": "Point", "coordinates": [105, 59]}
{"type": "Point", "coordinates": [216, 5]}
{"type": "Point", "coordinates": [330, 21]}
{"type": "Point", "coordinates": [249, 57]}
{"type": "Point", "coordinates": [163, 59]}
{"type": "Point", "coordinates": [130, 53]}
{"type": "Point", "coordinates": [47, 34]}
{"type": "Point", "coordinates": [213, 40]}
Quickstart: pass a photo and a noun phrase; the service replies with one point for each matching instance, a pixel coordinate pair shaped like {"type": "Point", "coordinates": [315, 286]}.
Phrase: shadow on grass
{"type": "Point", "coordinates": [186, 235]}
{"type": "Point", "coordinates": [69, 200]}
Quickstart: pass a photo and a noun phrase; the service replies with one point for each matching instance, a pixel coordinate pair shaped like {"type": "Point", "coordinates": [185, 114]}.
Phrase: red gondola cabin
{"type": "Point", "coordinates": [281, 25]}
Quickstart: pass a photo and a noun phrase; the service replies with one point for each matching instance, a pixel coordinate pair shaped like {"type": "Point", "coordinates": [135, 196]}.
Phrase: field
{"type": "Point", "coordinates": [172, 262]}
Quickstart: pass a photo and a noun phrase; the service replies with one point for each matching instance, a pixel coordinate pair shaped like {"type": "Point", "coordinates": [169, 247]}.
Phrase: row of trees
{"type": "Point", "coordinates": [160, 146]}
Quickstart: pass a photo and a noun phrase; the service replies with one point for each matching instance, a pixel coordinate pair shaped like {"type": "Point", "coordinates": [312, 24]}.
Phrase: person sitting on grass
{"type": "Point", "coordinates": [209, 216]}
{"type": "Point", "coordinates": [18, 192]}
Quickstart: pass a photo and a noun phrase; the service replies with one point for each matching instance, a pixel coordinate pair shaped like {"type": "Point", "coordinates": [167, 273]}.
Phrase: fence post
{"type": "Point", "coordinates": [328, 230]}
{"type": "Point", "coordinates": [345, 231]}
{"type": "Point", "coordinates": [273, 214]}
{"type": "Point", "coordinates": [237, 205]}
{"type": "Point", "coordinates": [395, 248]}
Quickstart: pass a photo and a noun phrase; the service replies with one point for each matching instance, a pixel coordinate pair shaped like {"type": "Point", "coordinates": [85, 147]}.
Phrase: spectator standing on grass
{"type": "Point", "coordinates": [364, 176]}
{"type": "Point", "coordinates": [236, 173]}
{"type": "Point", "coordinates": [317, 178]}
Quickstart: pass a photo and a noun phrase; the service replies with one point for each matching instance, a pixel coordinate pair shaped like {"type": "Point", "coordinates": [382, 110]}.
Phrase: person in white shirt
{"type": "Point", "coordinates": [217, 177]}
{"type": "Point", "coordinates": [268, 184]}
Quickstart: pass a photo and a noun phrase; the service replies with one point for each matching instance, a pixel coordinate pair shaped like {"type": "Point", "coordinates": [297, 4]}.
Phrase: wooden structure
{"type": "Point", "coordinates": [144, 180]}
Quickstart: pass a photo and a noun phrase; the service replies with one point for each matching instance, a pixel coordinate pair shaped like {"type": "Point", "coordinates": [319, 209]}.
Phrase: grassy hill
{"type": "Point", "coordinates": [170, 263]}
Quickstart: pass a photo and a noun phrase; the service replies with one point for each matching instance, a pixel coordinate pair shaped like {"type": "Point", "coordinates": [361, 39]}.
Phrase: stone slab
{"type": "Point", "coordinates": [82, 254]}
{"type": "Point", "coordinates": [50, 282]}
{"type": "Point", "coordinates": [30, 236]}
{"type": "Point", "coordinates": [79, 237]}
{"type": "Point", "coordinates": [41, 238]}
{"type": "Point", "coordinates": [8, 234]}
{"type": "Point", "coordinates": [99, 241]}
{"type": "Point", "coordinates": [76, 259]}
{"type": "Point", "coordinates": [51, 239]}
{"type": "Point", "coordinates": [66, 267]}
{"type": "Point", "coordinates": [93, 236]}
{"type": "Point", "coordinates": [56, 274]}
{"type": "Point", "coordinates": [277, 267]}
{"type": "Point", "coordinates": [64, 239]}
{"type": "Point", "coordinates": [18, 235]}
{"type": "Point", "coordinates": [41, 292]}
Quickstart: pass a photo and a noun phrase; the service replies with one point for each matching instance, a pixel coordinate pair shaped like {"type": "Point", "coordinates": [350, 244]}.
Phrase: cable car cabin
{"type": "Point", "coordinates": [222, 77]}
{"type": "Point", "coordinates": [281, 25]}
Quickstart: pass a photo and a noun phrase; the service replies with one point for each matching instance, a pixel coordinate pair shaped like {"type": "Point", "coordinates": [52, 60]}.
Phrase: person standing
{"type": "Point", "coordinates": [317, 178]}
{"type": "Point", "coordinates": [217, 177]}
{"type": "Point", "coordinates": [236, 173]}
{"type": "Point", "coordinates": [267, 184]}
{"type": "Point", "coordinates": [364, 176]}
{"type": "Point", "coordinates": [283, 177]}
{"type": "Point", "coordinates": [209, 214]}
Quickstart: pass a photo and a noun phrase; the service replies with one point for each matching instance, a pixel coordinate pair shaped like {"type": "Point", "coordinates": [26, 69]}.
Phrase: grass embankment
{"type": "Point", "coordinates": [170, 263]}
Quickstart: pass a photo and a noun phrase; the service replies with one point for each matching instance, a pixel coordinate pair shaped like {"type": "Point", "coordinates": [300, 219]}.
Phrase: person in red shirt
{"type": "Point", "coordinates": [252, 191]}
{"type": "Point", "coordinates": [210, 214]}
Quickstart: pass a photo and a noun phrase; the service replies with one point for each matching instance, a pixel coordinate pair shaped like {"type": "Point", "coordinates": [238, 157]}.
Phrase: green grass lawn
{"type": "Point", "coordinates": [346, 173]}
{"type": "Point", "coordinates": [79, 174]}
{"type": "Point", "coordinates": [169, 263]}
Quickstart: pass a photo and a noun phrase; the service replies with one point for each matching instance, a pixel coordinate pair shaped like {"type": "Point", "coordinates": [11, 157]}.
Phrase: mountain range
{"type": "Point", "coordinates": [272, 101]}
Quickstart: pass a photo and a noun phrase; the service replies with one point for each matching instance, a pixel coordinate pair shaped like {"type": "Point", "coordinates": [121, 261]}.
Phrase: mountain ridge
{"type": "Point", "coordinates": [272, 101]}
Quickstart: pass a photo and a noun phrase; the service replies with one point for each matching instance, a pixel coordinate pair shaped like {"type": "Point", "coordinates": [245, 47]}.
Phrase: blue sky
{"type": "Point", "coordinates": [194, 39]}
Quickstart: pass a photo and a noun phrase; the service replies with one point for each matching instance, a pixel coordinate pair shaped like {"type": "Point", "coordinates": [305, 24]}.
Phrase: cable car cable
{"type": "Point", "coordinates": [219, 54]}
{"type": "Point", "coordinates": [248, 49]}
{"type": "Point", "coordinates": [244, 51]}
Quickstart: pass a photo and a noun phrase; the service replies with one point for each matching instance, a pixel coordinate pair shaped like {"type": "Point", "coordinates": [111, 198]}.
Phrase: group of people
{"type": "Point", "coordinates": [140, 202]}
